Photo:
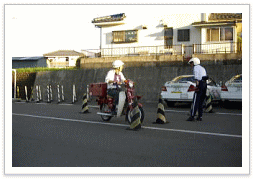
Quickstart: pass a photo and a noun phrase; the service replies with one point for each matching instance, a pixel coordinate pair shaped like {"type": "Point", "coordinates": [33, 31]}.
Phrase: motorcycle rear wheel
{"type": "Point", "coordinates": [105, 109]}
{"type": "Point", "coordinates": [128, 115]}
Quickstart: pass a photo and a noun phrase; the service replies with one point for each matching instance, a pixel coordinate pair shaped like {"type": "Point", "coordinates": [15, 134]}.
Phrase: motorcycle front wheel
{"type": "Point", "coordinates": [105, 109]}
{"type": "Point", "coordinates": [141, 113]}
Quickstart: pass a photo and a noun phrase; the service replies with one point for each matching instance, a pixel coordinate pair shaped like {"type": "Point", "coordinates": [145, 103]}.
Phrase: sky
{"type": "Point", "coordinates": [33, 30]}
{"type": "Point", "coordinates": [37, 29]}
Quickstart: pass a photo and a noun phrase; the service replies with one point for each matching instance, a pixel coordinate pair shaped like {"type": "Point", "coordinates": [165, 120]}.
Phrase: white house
{"type": "Point", "coordinates": [62, 58]}
{"type": "Point", "coordinates": [127, 34]}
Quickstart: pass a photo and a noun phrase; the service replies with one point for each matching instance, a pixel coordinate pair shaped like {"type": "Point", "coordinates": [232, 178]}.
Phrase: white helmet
{"type": "Point", "coordinates": [117, 64]}
{"type": "Point", "coordinates": [195, 61]}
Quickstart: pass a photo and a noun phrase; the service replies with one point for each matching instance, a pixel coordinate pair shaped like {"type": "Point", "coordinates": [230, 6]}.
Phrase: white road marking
{"type": "Point", "coordinates": [65, 104]}
{"type": "Point", "coordinates": [145, 127]}
{"type": "Point", "coordinates": [233, 114]}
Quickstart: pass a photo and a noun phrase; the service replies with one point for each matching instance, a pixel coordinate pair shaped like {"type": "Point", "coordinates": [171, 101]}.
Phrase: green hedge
{"type": "Point", "coordinates": [38, 69]}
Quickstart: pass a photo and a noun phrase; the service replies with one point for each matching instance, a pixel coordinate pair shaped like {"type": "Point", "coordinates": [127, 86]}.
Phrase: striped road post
{"type": "Point", "coordinates": [208, 104]}
{"type": "Point", "coordinates": [26, 94]}
{"type": "Point", "coordinates": [84, 104]}
{"type": "Point", "coordinates": [48, 94]}
{"type": "Point", "coordinates": [58, 94]}
{"type": "Point", "coordinates": [74, 97]}
{"type": "Point", "coordinates": [135, 117]}
{"type": "Point", "coordinates": [161, 119]}
{"type": "Point", "coordinates": [37, 94]}
{"type": "Point", "coordinates": [32, 94]}
{"type": "Point", "coordinates": [50, 90]}
{"type": "Point", "coordinates": [62, 93]}
{"type": "Point", "coordinates": [40, 97]}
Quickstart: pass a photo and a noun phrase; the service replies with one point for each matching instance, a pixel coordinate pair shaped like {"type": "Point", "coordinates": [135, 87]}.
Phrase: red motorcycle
{"type": "Point", "coordinates": [126, 103]}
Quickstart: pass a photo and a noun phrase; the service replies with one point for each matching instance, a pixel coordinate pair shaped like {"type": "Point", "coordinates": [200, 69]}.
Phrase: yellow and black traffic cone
{"type": "Point", "coordinates": [208, 104]}
{"type": "Point", "coordinates": [84, 104]}
{"type": "Point", "coordinates": [161, 119]}
{"type": "Point", "coordinates": [135, 118]}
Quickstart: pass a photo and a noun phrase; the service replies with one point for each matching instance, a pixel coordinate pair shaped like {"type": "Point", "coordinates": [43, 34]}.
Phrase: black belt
{"type": "Point", "coordinates": [203, 81]}
{"type": "Point", "coordinates": [204, 78]}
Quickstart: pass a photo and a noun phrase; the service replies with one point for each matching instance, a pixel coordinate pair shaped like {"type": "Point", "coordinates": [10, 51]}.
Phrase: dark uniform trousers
{"type": "Point", "coordinates": [198, 99]}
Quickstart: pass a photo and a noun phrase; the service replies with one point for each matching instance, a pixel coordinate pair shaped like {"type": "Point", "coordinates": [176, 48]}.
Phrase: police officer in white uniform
{"type": "Point", "coordinates": [200, 77]}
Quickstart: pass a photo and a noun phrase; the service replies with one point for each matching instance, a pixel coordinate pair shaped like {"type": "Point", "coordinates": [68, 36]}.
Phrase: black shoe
{"type": "Point", "coordinates": [190, 119]}
{"type": "Point", "coordinates": [199, 119]}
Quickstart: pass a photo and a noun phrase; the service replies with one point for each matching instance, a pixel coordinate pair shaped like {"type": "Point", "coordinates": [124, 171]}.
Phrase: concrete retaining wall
{"type": "Point", "coordinates": [149, 79]}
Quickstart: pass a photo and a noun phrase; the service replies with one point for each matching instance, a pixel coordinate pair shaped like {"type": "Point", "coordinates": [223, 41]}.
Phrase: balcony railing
{"type": "Point", "coordinates": [212, 48]}
{"type": "Point", "coordinates": [215, 48]}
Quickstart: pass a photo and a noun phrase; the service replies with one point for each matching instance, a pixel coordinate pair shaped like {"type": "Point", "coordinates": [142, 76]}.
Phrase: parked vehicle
{"type": "Point", "coordinates": [232, 90]}
{"type": "Point", "coordinates": [181, 89]}
{"type": "Point", "coordinates": [127, 98]}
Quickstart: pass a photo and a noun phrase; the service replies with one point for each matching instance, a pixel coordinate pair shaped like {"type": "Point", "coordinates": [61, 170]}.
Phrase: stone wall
{"type": "Point", "coordinates": [149, 78]}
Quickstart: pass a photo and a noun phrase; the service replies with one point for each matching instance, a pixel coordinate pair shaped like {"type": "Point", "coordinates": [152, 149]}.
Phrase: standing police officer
{"type": "Point", "coordinates": [200, 77]}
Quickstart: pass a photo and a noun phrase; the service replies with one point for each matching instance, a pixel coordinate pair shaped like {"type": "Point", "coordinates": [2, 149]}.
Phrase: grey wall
{"type": "Point", "coordinates": [148, 79]}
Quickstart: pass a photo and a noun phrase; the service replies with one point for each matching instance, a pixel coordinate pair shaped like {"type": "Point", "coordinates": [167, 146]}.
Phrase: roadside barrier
{"type": "Point", "coordinates": [135, 118]}
{"type": "Point", "coordinates": [62, 93]}
{"type": "Point", "coordinates": [37, 94]}
{"type": "Point", "coordinates": [84, 104]}
{"type": "Point", "coordinates": [58, 94]}
{"type": "Point", "coordinates": [50, 91]}
{"type": "Point", "coordinates": [32, 94]}
{"type": "Point", "coordinates": [40, 97]}
{"type": "Point", "coordinates": [26, 94]}
{"type": "Point", "coordinates": [161, 119]}
{"type": "Point", "coordinates": [74, 97]}
{"type": "Point", "coordinates": [48, 94]}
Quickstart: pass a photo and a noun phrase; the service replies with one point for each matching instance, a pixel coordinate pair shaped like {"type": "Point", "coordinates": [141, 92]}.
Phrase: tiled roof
{"type": "Point", "coordinates": [225, 16]}
{"type": "Point", "coordinates": [63, 53]}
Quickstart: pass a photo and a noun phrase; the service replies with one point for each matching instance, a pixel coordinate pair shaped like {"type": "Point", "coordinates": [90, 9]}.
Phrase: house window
{"type": "Point", "coordinates": [183, 35]}
{"type": "Point", "coordinates": [168, 37]}
{"type": "Point", "coordinates": [67, 59]}
{"type": "Point", "coordinates": [226, 34]}
{"type": "Point", "coordinates": [219, 34]}
{"type": "Point", "coordinates": [127, 36]}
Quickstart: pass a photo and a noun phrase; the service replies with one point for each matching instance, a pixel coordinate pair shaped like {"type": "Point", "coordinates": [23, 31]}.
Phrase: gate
{"type": "Point", "coordinates": [187, 52]}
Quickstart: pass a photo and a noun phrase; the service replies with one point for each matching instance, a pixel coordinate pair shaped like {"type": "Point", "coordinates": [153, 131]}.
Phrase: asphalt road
{"type": "Point", "coordinates": [58, 135]}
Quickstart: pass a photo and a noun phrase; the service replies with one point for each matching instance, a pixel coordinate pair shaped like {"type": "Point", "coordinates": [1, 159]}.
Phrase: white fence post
{"type": "Point", "coordinates": [62, 93]}
{"type": "Point", "coordinates": [74, 94]}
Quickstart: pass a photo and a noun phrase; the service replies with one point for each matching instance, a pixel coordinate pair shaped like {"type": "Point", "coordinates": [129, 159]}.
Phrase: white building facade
{"type": "Point", "coordinates": [132, 34]}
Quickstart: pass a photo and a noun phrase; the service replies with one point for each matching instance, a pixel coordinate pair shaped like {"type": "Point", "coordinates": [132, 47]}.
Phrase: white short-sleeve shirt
{"type": "Point", "coordinates": [111, 76]}
{"type": "Point", "coordinates": [199, 72]}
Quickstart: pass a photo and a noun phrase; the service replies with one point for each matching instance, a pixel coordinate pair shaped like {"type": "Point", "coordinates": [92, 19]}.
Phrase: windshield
{"type": "Point", "coordinates": [236, 79]}
{"type": "Point", "coordinates": [183, 79]}
{"type": "Point", "coordinates": [190, 78]}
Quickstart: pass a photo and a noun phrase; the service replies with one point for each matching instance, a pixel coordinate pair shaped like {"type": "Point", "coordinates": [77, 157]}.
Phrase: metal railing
{"type": "Point", "coordinates": [215, 48]}
{"type": "Point", "coordinates": [211, 48]}
{"type": "Point", "coordinates": [59, 64]}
